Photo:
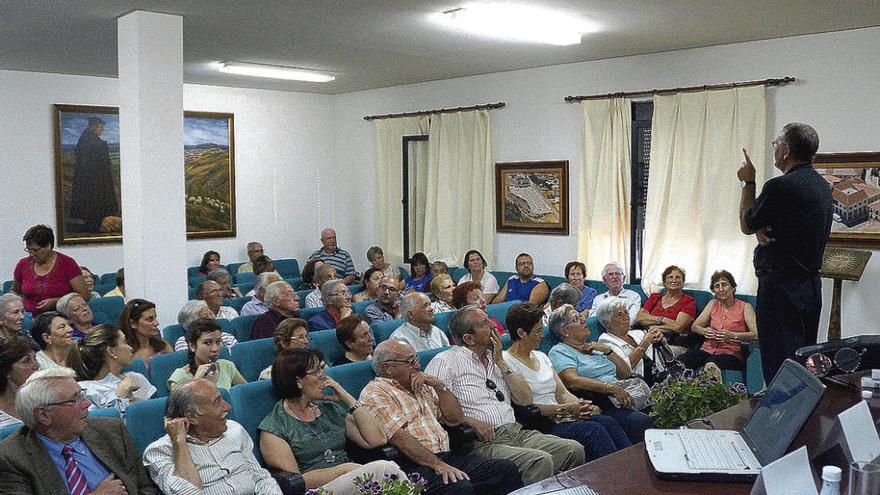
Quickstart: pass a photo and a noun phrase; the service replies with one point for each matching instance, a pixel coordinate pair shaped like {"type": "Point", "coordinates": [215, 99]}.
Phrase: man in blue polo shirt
{"type": "Point", "coordinates": [332, 255]}
{"type": "Point", "coordinates": [524, 286]}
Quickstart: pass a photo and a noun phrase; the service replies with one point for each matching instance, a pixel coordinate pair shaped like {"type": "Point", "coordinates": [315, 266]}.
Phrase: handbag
{"type": "Point", "coordinates": [637, 389]}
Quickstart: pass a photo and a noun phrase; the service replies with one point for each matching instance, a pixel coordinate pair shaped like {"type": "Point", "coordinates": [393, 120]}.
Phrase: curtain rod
{"type": "Point", "coordinates": [687, 89]}
{"type": "Point", "coordinates": [487, 106]}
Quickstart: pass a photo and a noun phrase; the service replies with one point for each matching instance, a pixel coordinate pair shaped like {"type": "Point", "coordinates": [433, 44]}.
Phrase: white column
{"type": "Point", "coordinates": [150, 50]}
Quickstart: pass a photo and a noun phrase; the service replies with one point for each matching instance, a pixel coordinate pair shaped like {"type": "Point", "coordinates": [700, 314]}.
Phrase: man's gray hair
{"type": "Point", "coordinates": [329, 288]}
{"type": "Point", "coordinates": [181, 400]}
{"type": "Point", "coordinates": [38, 391]}
{"type": "Point", "coordinates": [265, 279]}
{"type": "Point", "coordinates": [564, 293]}
{"type": "Point", "coordinates": [6, 300]}
{"type": "Point", "coordinates": [558, 319]}
{"type": "Point", "coordinates": [605, 309]}
{"type": "Point", "coordinates": [460, 325]}
{"type": "Point", "coordinates": [614, 264]}
{"type": "Point", "coordinates": [62, 306]}
{"type": "Point", "coordinates": [190, 312]}
{"type": "Point", "coordinates": [273, 290]}
{"type": "Point", "coordinates": [802, 140]}
{"type": "Point", "coordinates": [409, 302]}
{"type": "Point", "coordinates": [383, 352]}
{"type": "Point", "coordinates": [218, 274]}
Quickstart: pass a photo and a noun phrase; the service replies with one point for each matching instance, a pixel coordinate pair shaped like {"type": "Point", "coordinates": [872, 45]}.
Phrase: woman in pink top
{"type": "Point", "coordinates": [45, 274]}
{"type": "Point", "coordinates": [725, 323]}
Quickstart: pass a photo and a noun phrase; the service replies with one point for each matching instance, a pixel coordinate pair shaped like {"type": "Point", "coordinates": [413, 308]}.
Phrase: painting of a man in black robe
{"type": "Point", "coordinates": [93, 197]}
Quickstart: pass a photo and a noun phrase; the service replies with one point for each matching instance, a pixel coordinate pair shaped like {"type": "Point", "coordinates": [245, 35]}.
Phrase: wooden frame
{"type": "Point", "coordinates": [523, 205]}
{"type": "Point", "coordinates": [209, 170]}
{"type": "Point", "coordinates": [855, 182]}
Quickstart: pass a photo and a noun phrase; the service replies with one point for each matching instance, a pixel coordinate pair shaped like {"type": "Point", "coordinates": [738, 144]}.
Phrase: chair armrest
{"type": "Point", "coordinates": [530, 418]}
{"type": "Point", "coordinates": [460, 436]}
{"type": "Point", "coordinates": [290, 483]}
{"type": "Point", "coordinates": [362, 456]}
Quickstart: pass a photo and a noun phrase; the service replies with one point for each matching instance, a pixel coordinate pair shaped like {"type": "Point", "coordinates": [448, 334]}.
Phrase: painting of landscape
{"type": "Point", "coordinates": [532, 197]}
{"type": "Point", "coordinates": [209, 171]}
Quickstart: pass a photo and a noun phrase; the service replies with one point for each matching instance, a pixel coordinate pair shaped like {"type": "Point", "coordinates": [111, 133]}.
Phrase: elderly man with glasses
{"type": "Point", "coordinates": [337, 300]}
{"type": "Point", "coordinates": [89, 455]}
{"type": "Point", "coordinates": [614, 276]}
{"type": "Point", "coordinates": [410, 406]}
{"type": "Point", "coordinates": [386, 307]}
{"type": "Point", "coordinates": [476, 373]}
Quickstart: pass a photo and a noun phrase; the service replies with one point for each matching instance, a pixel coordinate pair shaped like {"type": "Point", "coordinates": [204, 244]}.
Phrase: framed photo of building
{"type": "Point", "coordinates": [209, 174]}
{"type": "Point", "coordinates": [854, 179]}
{"type": "Point", "coordinates": [532, 197]}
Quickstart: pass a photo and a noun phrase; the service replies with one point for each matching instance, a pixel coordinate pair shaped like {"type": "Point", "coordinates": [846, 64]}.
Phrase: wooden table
{"type": "Point", "coordinates": [629, 471]}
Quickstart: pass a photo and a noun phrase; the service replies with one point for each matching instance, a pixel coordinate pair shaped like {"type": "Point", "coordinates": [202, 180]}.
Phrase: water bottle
{"type": "Point", "coordinates": [830, 480]}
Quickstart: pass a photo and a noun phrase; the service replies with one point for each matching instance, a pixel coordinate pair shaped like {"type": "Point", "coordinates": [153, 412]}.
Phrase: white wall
{"type": "Point", "coordinates": [836, 92]}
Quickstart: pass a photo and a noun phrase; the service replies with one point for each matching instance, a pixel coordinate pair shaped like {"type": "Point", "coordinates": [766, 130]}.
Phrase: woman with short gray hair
{"type": "Point", "coordinates": [376, 257]}
{"type": "Point", "coordinates": [629, 343]}
{"type": "Point", "coordinates": [195, 310]}
{"type": "Point", "coordinates": [78, 312]}
{"type": "Point", "coordinates": [11, 315]}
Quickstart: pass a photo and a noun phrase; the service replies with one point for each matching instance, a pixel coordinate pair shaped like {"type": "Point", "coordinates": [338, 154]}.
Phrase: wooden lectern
{"type": "Point", "coordinates": [841, 264]}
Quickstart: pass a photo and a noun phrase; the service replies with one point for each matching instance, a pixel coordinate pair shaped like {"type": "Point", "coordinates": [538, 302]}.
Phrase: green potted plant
{"type": "Point", "coordinates": [390, 484]}
{"type": "Point", "coordinates": [690, 396]}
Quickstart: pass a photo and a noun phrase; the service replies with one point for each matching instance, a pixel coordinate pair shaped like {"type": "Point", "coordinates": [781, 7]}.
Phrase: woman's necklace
{"type": "Point", "coordinates": [329, 456]}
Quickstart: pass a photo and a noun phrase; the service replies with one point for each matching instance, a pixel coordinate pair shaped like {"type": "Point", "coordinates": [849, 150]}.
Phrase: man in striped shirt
{"type": "Point", "coordinates": [332, 255]}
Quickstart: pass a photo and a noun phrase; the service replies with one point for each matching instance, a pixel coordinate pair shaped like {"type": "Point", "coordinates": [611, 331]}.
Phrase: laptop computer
{"type": "Point", "coordinates": [730, 456]}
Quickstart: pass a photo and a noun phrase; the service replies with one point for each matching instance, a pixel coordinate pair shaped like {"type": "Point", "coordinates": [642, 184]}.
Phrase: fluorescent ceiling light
{"type": "Point", "coordinates": [274, 72]}
{"type": "Point", "coordinates": [516, 23]}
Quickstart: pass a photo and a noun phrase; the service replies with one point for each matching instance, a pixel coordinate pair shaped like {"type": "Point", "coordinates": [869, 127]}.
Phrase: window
{"type": "Point", "coordinates": [415, 166]}
{"type": "Point", "coordinates": [642, 112]}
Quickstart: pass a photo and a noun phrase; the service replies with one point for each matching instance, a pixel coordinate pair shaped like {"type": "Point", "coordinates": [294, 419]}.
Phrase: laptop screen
{"type": "Point", "coordinates": [789, 401]}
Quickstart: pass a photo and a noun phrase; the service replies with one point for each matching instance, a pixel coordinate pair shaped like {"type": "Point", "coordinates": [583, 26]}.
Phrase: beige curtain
{"type": "Point", "coordinates": [693, 194]}
{"type": "Point", "coordinates": [389, 181]}
{"type": "Point", "coordinates": [459, 207]}
{"type": "Point", "coordinates": [604, 206]}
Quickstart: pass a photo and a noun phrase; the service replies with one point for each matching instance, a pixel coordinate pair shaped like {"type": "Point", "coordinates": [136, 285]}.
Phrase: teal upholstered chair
{"type": "Point", "coordinates": [352, 376]}
{"type": "Point", "coordinates": [251, 402]}
{"type": "Point", "coordinates": [252, 357]}
{"type": "Point", "coordinates": [243, 326]}
{"type": "Point", "coordinates": [288, 267]}
{"type": "Point", "coordinates": [359, 307]}
{"type": "Point", "coordinates": [325, 341]}
{"type": "Point", "coordinates": [111, 307]}
{"type": "Point", "coordinates": [383, 329]}
{"type": "Point", "coordinates": [499, 310]}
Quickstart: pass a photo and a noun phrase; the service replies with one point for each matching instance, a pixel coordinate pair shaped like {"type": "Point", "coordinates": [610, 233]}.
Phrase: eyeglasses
{"type": "Point", "coordinates": [412, 360]}
{"type": "Point", "coordinates": [69, 402]}
{"type": "Point", "coordinates": [614, 274]}
{"type": "Point", "coordinates": [491, 386]}
{"type": "Point", "coordinates": [298, 337]}
{"type": "Point", "coordinates": [579, 318]}
{"type": "Point", "coordinates": [776, 142]}
{"type": "Point", "coordinates": [319, 371]}
{"type": "Point", "coordinates": [388, 288]}
{"type": "Point", "coordinates": [32, 250]}
{"type": "Point", "coordinates": [721, 285]}
{"type": "Point", "coordinates": [340, 294]}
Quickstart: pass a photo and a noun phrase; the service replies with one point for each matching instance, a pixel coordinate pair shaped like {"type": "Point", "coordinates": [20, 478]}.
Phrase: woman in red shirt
{"type": "Point", "coordinates": [671, 311]}
{"type": "Point", "coordinates": [45, 275]}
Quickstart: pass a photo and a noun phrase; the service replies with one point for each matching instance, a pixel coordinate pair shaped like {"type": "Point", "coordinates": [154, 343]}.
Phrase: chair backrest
{"type": "Point", "coordinates": [233, 268]}
{"type": "Point", "coordinates": [288, 267]}
{"type": "Point", "coordinates": [360, 306]}
{"type": "Point", "coordinates": [701, 296]}
{"type": "Point", "coordinates": [553, 280]}
{"type": "Point", "coordinates": [352, 376]}
{"type": "Point", "coordinates": [251, 403]}
{"type": "Point", "coordinates": [383, 329]}
{"type": "Point", "coordinates": [111, 307]}
{"type": "Point", "coordinates": [191, 293]}
{"type": "Point", "coordinates": [499, 311]}
{"type": "Point", "coordinates": [195, 280]}
{"type": "Point", "coordinates": [252, 357]}
{"type": "Point", "coordinates": [137, 365]}
{"type": "Point", "coordinates": [145, 419]}
{"type": "Point", "coordinates": [245, 287]}
{"type": "Point", "coordinates": [107, 278]}
{"type": "Point", "coordinates": [501, 277]}
{"type": "Point", "coordinates": [307, 313]}
{"type": "Point", "coordinates": [596, 328]}
{"type": "Point", "coordinates": [598, 285]}
{"type": "Point", "coordinates": [245, 277]}
{"type": "Point", "coordinates": [425, 357]}
{"type": "Point", "coordinates": [236, 303]}
{"type": "Point", "coordinates": [325, 341]}
{"type": "Point", "coordinates": [637, 289]}
{"type": "Point", "coordinates": [172, 332]}
{"type": "Point", "coordinates": [457, 273]}
{"type": "Point", "coordinates": [163, 365]}
{"type": "Point", "coordinates": [294, 281]}
{"type": "Point", "coordinates": [302, 296]}
{"type": "Point", "coordinates": [548, 341]}
{"type": "Point", "coordinates": [441, 320]}
{"type": "Point", "coordinates": [355, 288]}
{"type": "Point", "coordinates": [100, 318]}
{"type": "Point", "coordinates": [192, 270]}
{"type": "Point", "coordinates": [243, 326]}
{"type": "Point", "coordinates": [104, 288]}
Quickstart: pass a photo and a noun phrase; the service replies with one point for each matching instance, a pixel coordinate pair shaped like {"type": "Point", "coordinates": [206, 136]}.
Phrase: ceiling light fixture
{"type": "Point", "coordinates": [516, 23]}
{"type": "Point", "coordinates": [274, 72]}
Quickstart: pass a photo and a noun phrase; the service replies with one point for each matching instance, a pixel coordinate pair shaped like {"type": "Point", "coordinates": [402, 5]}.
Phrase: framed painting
{"type": "Point", "coordinates": [87, 190]}
{"type": "Point", "coordinates": [854, 179]}
{"type": "Point", "coordinates": [532, 197]}
{"type": "Point", "coordinates": [209, 171]}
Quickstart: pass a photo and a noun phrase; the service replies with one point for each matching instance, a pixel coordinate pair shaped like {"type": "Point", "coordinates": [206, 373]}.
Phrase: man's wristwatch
{"type": "Point", "coordinates": [607, 353]}
{"type": "Point", "coordinates": [747, 183]}
{"type": "Point", "coordinates": [354, 408]}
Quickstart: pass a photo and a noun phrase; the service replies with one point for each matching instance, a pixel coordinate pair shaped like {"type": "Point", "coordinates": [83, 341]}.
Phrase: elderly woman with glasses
{"type": "Point", "coordinates": [292, 333]}
{"type": "Point", "coordinates": [725, 323]}
{"type": "Point", "coordinates": [11, 315]}
{"type": "Point", "coordinates": [591, 369]}
{"type": "Point", "coordinates": [337, 300]}
{"type": "Point", "coordinates": [306, 430]}
{"type": "Point", "coordinates": [672, 311]}
{"type": "Point", "coordinates": [568, 416]}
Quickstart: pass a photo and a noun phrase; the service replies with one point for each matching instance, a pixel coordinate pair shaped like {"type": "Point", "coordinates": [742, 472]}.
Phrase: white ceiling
{"type": "Point", "coordinates": [381, 43]}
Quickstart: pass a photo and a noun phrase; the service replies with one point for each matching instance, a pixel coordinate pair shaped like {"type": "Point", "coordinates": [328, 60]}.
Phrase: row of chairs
{"type": "Point", "coordinates": [286, 267]}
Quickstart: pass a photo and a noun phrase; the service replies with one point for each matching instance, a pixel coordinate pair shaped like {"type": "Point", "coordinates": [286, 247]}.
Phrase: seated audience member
{"type": "Point", "coordinates": [631, 344]}
{"type": "Point", "coordinates": [306, 430]}
{"type": "Point", "coordinates": [323, 274]}
{"type": "Point", "coordinates": [17, 363]}
{"type": "Point", "coordinates": [59, 445]}
{"type": "Point", "coordinates": [568, 416]}
{"type": "Point", "coordinates": [262, 264]}
{"type": "Point", "coordinates": [78, 313]}
{"type": "Point", "coordinates": [283, 303]}
{"type": "Point", "coordinates": [11, 315]}
{"type": "Point", "coordinates": [470, 293]}
{"type": "Point", "coordinates": [210, 261]}
{"type": "Point", "coordinates": [254, 251]}
{"type": "Point", "coordinates": [203, 357]}
{"type": "Point", "coordinates": [140, 325]}
{"type": "Point", "coordinates": [410, 406]}
{"type": "Point", "coordinates": [593, 367]}
{"type": "Point", "coordinates": [439, 268]}
{"type": "Point", "coordinates": [725, 323]}
{"type": "Point", "coordinates": [51, 331]}
{"type": "Point", "coordinates": [419, 330]}
{"type": "Point", "coordinates": [576, 274]}
{"type": "Point", "coordinates": [202, 451]}
{"type": "Point", "coordinates": [292, 333]}
{"type": "Point", "coordinates": [98, 360]}
{"type": "Point", "coordinates": [355, 336]}
{"type": "Point", "coordinates": [524, 286]}
{"type": "Point", "coordinates": [476, 373]}
{"type": "Point", "coordinates": [213, 294]}
{"type": "Point", "coordinates": [337, 301]}
{"type": "Point", "coordinates": [476, 267]}
{"type": "Point", "coordinates": [308, 274]}
{"type": "Point", "coordinates": [372, 277]}
{"type": "Point", "coordinates": [222, 277]}
{"type": "Point", "coordinates": [119, 290]}
{"type": "Point", "coordinates": [419, 274]}
{"type": "Point", "coordinates": [387, 306]}
{"type": "Point", "coordinates": [614, 276]}
{"type": "Point", "coordinates": [195, 310]}
{"type": "Point", "coordinates": [257, 306]}
{"type": "Point", "coordinates": [564, 293]}
{"type": "Point", "coordinates": [376, 257]}
{"type": "Point", "coordinates": [672, 311]}
{"type": "Point", "coordinates": [89, 279]}
{"type": "Point", "coordinates": [332, 255]}
{"type": "Point", "coordinates": [45, 274]}
{"type": "Point", "coordinates": [441, 288]}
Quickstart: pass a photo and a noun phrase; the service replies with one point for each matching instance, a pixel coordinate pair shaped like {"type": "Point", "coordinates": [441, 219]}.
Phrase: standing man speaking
{"type": "Point", "coordinates": [792, 221]}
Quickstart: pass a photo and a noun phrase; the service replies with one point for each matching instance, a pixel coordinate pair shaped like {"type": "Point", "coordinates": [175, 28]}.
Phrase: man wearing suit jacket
{"type": "Point", "coordinates": [61, 450]}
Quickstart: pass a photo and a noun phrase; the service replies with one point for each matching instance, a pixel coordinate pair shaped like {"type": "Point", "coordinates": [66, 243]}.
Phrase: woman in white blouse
{"type": "Point", "coordinates": [629, 343]}
{"type": "Point", "coordinates": [98, 360]}
{"type": "Point", "coordinates": [52, 332]}
{"type": "Point", "coordinates": [569, 416]}
{"type": "Point", "coordinates": [476, 266]}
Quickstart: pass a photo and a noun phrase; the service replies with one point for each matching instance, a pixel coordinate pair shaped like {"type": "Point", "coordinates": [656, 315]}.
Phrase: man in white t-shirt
{"type": "Point", "coordinates": [614, 275]}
